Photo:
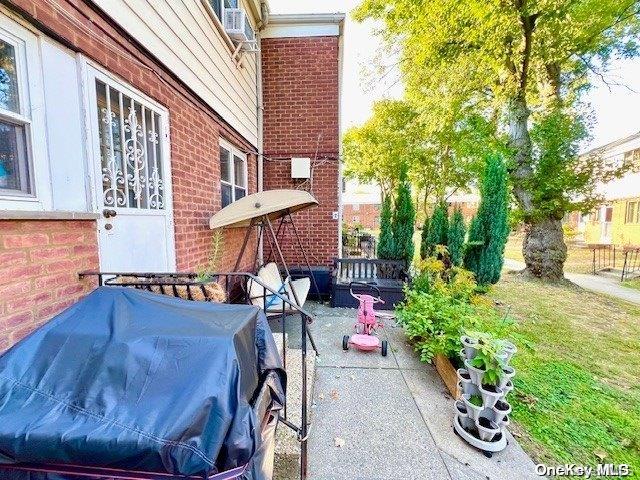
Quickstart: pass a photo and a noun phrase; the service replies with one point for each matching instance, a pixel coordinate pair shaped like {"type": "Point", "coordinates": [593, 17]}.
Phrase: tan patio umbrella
{"type": "Point", "coordinates": [273, 204]}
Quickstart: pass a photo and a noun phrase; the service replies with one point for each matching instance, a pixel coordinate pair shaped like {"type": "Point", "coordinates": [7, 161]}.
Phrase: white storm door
{"type": "Point", "coordinates": [132, 178]}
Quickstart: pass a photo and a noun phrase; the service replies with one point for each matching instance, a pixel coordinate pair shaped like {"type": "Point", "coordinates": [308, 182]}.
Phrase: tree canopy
{"type": "Point", "coordinates": [518, 68]}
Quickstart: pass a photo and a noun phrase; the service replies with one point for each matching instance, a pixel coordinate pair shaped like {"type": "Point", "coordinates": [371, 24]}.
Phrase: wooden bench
{"type": "Point", "coordinates": [389, 276]}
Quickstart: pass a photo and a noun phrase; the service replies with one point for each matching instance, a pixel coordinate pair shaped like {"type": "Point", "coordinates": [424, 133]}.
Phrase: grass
{"type": "Point", "coordinates": [576, 398]}
{"type": "Point", "coordinates": [579, 260]}
{"type": "Point", "coordinates": [635, 283]}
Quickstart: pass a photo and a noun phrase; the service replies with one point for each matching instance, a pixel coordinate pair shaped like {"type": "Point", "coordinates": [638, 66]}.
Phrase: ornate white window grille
{"type": "Point", "coordinates": [130, 151]}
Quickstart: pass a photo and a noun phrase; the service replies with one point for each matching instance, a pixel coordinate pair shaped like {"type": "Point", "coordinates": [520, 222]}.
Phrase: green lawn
{"type": "Point", "coordinates": [577, 395]}
{"type": "Point", "coordinates": [579, 260]}
{"type": "Point", "coordinates": [635, 283]}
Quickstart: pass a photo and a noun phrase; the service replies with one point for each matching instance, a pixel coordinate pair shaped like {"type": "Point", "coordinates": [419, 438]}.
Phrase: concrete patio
{"type": "Point", "coordinates": [392, 416]}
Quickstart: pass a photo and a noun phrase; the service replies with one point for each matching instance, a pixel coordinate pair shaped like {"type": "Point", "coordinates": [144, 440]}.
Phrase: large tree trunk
{"type": "Point", "coordinates": [544, 249]}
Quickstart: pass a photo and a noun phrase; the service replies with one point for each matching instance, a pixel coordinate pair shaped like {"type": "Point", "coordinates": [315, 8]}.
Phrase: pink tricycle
{"type": "Point", "coordinates": [365, 338]}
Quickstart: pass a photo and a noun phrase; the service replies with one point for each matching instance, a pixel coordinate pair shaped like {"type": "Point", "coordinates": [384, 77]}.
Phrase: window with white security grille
{"type": "Point", "coordinates": [130, 151]}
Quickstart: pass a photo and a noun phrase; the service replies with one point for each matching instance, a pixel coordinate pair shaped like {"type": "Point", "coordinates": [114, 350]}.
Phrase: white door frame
{"type": "Point", "coordinates": [89, 72]}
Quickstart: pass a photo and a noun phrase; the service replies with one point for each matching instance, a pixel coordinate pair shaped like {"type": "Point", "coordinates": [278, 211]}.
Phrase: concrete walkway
{"type": "Point", "coordinates": [380, 418]}
{"type": "Point", "coordinates": [594, 283]}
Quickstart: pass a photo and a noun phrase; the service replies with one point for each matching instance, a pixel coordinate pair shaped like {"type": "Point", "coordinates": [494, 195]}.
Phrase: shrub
{"type": "Point", "coordinates": [386, 248]}
{"type": "Point", "coordinates": [456, 237]}
{"type": "Point", "coordinates": [403, 223]}
{"type": "Point", "coordinates": [438, 229]}
{"type": "Point", "coordinates": [490, 228]}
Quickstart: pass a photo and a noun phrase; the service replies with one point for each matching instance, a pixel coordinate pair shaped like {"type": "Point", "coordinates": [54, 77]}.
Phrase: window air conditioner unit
{"type": "Point", "coordinates": [237, 25]}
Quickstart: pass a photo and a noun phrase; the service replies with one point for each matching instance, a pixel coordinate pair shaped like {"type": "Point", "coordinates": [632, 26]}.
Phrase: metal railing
{"type": "Point", "coordinates": [237, 292]}
{"type": "Point", "coordinates": [631, 266]}
{"type": "Point", "coordinates": [604, 257]}
{"type": "Point", "coordinates": [358, 244]}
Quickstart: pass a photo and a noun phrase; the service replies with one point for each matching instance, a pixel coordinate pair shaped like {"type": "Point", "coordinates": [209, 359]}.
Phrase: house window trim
{"type": "Point", "coordinates": [31, 117]}
{"type": "Point", "coordinates": [635, 218]}
{"type": "Point", "coordinates": [234, 151]}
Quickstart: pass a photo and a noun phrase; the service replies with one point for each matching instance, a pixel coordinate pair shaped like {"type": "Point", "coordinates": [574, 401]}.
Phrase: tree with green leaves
{"type": "Point", "coordinates": [424, 238]}
{"type": "Point", "coordinates": [403, 223]}
{"type": "Point", "coordinates": [438, 229]}
{"type": "Point", "coordinates": [395, 139]}
{"type": "Point", "coordinates": [490, 228]}
{"type": "Point", "coordinates": [456, 237]}
{"type": "Point", "coordinates": [521, 65]}
{"type": "Point", "coordinates": [386, 246]}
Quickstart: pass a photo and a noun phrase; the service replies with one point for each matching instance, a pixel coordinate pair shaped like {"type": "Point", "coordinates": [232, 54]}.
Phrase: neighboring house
{"type": "Point", "coordinates": [466, 202]}
{"type": "Point", "coordinates": [361, 205]}
{"type": "Point", "coordinates": [617, 220]}
{"type": "Point", "coordinates": [124, 125]}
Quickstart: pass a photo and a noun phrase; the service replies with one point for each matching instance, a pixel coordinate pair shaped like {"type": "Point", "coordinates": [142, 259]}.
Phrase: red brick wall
{"type": "Point", "coordinates": [39, 261]}
{"type": "Point", "coordinates": [365, 214]}
{"type": "Point", "coordinates": [301, 117]}
{"type": "Point", "coordinates": [195, 129]}
{"type": "Point", "coordinates": [26, 297]}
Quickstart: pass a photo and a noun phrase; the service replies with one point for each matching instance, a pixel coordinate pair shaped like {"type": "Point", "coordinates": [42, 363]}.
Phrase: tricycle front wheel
{"type": "Point", "coordinates": [383, 348]}
{"type": "Point", "coordinates": [345, 342]}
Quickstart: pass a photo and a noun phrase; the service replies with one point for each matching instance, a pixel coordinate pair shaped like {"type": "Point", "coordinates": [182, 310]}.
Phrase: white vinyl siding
{"type": "Point", "coordinates": [183, 35]}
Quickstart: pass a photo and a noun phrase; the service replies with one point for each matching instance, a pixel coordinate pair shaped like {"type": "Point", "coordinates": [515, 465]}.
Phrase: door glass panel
{"type": "Point", "coordinates": [130, 152]}
{"type": "Point", "coordinates": [240, 192]}
{"type": "Point", "coordinates": [8, 78]}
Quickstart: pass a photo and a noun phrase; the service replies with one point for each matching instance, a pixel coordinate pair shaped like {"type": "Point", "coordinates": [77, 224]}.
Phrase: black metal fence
{"type": "Point", "coordinates": [358, 245]}
{"type": "Point", "coordinates": [631, 266]}
{"type": "Point", "coordinates": [604, 257]}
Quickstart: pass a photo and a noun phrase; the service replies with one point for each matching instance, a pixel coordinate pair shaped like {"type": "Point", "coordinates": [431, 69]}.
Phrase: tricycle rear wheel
{"type": "Point", "coordinates": [345, 342]}
{"type": "Point", "coordinates": [384, 348]}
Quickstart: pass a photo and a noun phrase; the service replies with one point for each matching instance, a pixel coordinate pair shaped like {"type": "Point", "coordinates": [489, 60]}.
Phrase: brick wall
{"type": "Point", "coordinates": [364, 214]}
{"type": "Point", "coordinates": [38, 265]}
{"type": "Point", "coordinates": [301, 117]}
{"type": "Point", "coordinates": [195, 131]}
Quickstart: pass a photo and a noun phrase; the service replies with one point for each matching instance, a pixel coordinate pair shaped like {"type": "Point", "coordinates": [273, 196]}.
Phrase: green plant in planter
{"type": "Point", "coordinates": [475, 400]}
{"type": "Point", "coordinates": [215, 256]}
{"type": "Point", "coordinates": [487, 357]}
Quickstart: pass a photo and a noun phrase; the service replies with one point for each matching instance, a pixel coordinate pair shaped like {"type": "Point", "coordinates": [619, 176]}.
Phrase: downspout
{"type": "Point", "coordinates": [340, 205]}
{"type": "Point", "coordinates": [264, 12]}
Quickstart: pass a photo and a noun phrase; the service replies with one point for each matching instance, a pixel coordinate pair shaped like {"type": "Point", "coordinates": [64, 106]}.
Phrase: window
{"type": "Point", "coordinates": [130, 151]}
{"type": "Point", "coordinates": [233, 174]}
{"type": "Point", "coordinates": [218, 6]}
{"type": "Point", "coordinates": [633, 212]}
{"type": "Point", "coordinates": [15, 166]}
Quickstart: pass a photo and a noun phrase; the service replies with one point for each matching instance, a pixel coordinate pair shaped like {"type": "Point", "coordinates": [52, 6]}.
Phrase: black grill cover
{"type": "Point", "coordinates": [134, 380]}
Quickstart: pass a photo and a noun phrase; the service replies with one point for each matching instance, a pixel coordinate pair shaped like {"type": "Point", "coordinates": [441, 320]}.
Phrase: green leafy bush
{"type": "Point", "coordinates": [403, 222]}
{"type": "Point", "coordinates": [441, 305]}
{"type": "Point", "coordinates": [438, 229]}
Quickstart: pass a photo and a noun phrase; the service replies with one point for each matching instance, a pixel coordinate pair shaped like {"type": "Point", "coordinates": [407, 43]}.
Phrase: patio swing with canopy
{"type": "Point", "coordinates": [261, 210]}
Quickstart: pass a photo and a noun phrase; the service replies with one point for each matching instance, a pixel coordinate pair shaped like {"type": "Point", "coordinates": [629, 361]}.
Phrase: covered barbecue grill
{"type": "Point", "coordinates": [126, 382]}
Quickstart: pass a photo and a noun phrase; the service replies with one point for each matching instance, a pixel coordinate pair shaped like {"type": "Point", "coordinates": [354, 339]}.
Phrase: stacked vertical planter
{"type": "Point", "coordinates": [483, 426]}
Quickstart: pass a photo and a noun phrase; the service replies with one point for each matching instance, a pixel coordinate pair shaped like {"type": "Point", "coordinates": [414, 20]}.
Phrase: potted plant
{"type": "Point", "coordinates": [508, 372]}
{"type": "Point", "coordinates": [474, 405]}
{"type": "Point", "coordinates": [466, 422]}
{"type": "Point", "coordinates": [501, 409]}
{"type": "Point", "coordinates": [487, 428]}
{"type": "Point", "coordinates": [469, 344]}
{"type": "Point", "coordinates": [507, 350]}
{"type": "Point", "coordinates": [488, 361]}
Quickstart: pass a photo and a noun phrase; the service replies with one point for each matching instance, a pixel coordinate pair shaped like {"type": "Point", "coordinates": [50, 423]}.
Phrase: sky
{"type": "Point", "coordinates": [616, 107]}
